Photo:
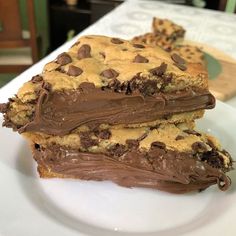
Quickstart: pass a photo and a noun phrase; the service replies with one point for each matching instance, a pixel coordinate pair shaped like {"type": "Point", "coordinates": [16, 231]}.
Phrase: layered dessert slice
{"type": "Point", "coordinates": [104, 80]}
{"type": "Point", "coordinates": [109, 109]}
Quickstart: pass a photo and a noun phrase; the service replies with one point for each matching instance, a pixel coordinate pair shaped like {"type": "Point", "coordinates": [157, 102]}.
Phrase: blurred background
{"type": "Point", "coordinates": [30, 29]}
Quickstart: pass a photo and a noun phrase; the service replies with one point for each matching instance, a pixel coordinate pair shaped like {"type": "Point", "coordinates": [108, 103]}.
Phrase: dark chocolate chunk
{"type": "Point", "coordinates": [213, 158]}
{"type": "Point", "coordinates": [166, 80]}
{"type": "Point", "coordinates": [74, 71]}
{"type": "Point", "coordinates": [199, 147]}
{"type": "Point", "coordinates": [36, 79]}
{"type": "Point", "coordinates": [132, 143]}
{"type": "Point", "coordinates": [181, 66]}
{"type": "Point", "coordinates": [86, 140]}
{"type": "Point", "coordinates": [103, 134]}
{"type": "Point", "coordinates": [133, 82]}
{"type": "Point", "coordinates": [140, 59]}
{"type": "Point", "coordinates": [148, 87]}
{"type": "Point", "coordinates": [158, 144]}
{"type": "Point", "coordinates": [63, 59]}
{"type": "Point", "coordinates": [117, 150]}
{"type": "Point", "coordinates": [177, 59]}
{"type": "Point", "coordinates": [116, 41]}
{"type": "Point", "coordinates": [179, 137]}
{"type": "Point", "coordinates": [84, 51]}
{"type": "Point", "coordinates": [160, 70]}
{"type": "Point", "coordinates": [109, 73]}
{"type": "Point", "coordinates": [138, 45]}
{"type": "Point", "coordinates": [114, 84]}
{"type": "Point", "coordinates": [193, 132]}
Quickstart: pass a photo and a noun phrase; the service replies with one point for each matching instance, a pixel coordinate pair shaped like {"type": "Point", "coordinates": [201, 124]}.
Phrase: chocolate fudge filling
{"type": "Point", "coordinates": [58, 112]}
{"type": "Point", "coordinates": [159, 168]}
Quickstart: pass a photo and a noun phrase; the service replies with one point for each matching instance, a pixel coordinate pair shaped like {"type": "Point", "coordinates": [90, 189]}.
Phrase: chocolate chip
{"type": "Point", "coordinates": [63, 59]}
{"type": "Point", "coordinates": [140, 59]}
{"type": "Point", "coordinates": [4, 107]}
{"type": "Point", "coordinates": [116, 41]}
{"type": "Point", "coordinates": [86, 140]}
{"type": "Point", "coordinates": [37, 146]}
{"type": "Point", "coordinates": [117, 150]}
{"type": "Point", "coordinates": [87, 86]}
{"type": "Point", "coordinates": [148, 87]}
{"type": "Point", "coordinates": [109, 73]}
{"type": "Point", "coordinates": [132, 143]}
{"type": "Point", "coordinates": [74, 71]}
{"type": "Point", "coordinates": [181, 66]}
{"type": "Point", "coordinates": [103, 134]}
{"type": "Point", "coordinates": [36, 79]}
{"type": "Point", "coordinates": [124, 49]}
{"type": "Point", "coordinates": [142, 137]}
{"type": "Point", "coordinates": [199, 147]}
{"type": "Point", "coordinates": [158, 144]}
{"type": "Point", "coordinates": [138, 45]}
{"type": "Point", "coordinates": [179, 137]}
{"type": "Point", "coordinates": [160, 70]}
{"type": "Point", "coordinates": [84, 51]}
{"type": "Point", "coordinates": [177, 59]}
{"type": "Point", "coordinates": [193, 132]}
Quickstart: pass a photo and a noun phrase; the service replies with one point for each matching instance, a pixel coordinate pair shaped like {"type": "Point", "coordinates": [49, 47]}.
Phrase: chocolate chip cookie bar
{"type": "Point", "coordinates": [110, 109]}
{"type": "Point", "coordinates": [165, 34]}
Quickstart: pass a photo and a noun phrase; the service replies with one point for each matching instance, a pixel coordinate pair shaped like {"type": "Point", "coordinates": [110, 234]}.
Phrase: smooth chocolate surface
{"type": "Point", "coordinates": [60, 112]}
{"type": "Point", "coordinates": [166, 170]}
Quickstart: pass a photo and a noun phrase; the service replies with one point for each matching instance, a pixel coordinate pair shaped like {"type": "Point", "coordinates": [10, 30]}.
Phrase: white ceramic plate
{"type": "Point", "coordinates": [32, 206]}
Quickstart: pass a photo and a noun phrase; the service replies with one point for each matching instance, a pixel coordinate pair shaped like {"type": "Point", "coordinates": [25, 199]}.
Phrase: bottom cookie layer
{"type": "Point", "coordinates": [159, 168]}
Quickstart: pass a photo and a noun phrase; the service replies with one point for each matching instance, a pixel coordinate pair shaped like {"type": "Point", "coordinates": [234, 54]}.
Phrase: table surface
{"type": "Point", "coordinates": [134, 17]}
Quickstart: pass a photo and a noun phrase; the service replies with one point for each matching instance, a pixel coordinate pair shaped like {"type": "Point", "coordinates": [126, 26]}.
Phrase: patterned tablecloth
{"type": "Point", "coordinates": [134, 17]}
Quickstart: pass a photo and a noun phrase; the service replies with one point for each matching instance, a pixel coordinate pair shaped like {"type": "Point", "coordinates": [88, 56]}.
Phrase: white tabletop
{"type": "Point", "coordinates": [134, 17]}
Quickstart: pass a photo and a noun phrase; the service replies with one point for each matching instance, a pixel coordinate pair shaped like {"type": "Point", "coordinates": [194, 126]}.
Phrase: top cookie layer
{"type": "Point", "coordinates": [100, 59]}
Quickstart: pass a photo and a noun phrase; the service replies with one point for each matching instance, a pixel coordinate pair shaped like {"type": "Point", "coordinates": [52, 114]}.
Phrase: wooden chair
{"type": "Point", "coordinates": [11, 38]}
